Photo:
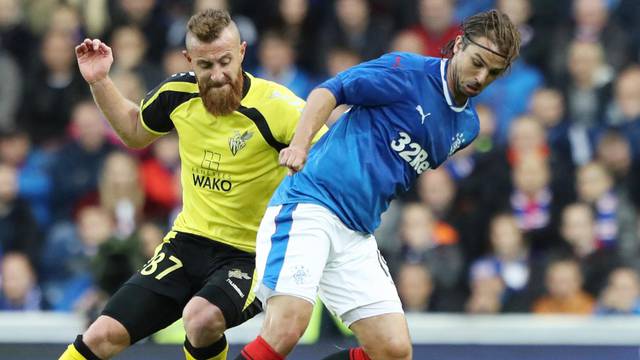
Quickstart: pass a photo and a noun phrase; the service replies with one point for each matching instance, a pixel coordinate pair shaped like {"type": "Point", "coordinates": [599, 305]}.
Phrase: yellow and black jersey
{"type": "Point", "coordinates": [229, 163]}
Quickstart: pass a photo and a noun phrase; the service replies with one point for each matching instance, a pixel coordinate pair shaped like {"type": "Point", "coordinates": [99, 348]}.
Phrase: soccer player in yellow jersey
{"type": "Point", "coordinates": [231, 127]}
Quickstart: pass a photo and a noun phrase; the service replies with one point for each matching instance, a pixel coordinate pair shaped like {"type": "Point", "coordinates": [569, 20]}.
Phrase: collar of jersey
{"type": "Point", "coordinates": [445, 87]}
{"type": "Point", "coordinates": [246, 83]}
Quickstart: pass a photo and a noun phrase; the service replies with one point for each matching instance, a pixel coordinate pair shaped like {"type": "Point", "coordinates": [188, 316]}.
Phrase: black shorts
{"type": "Point", "coordinates": [183, 267]}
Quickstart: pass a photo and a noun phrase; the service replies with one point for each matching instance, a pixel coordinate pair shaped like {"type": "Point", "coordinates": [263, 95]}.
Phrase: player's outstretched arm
{"type": "Point", "coordinates": [316, 112]}
{"type": "Point", "coordinates": [94, 60]}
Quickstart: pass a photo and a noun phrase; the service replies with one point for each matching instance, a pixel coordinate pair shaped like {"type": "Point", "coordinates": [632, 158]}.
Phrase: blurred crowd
{"type": "Point", "coordinates": [539, 214]}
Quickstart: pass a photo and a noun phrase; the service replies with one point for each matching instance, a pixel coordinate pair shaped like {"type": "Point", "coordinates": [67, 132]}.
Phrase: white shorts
{"type": "Point", "coordinates": [304, 250]}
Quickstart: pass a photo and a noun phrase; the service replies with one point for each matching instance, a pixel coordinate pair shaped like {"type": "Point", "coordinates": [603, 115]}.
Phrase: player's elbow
{"type": "Point", "coordinates": [135, 144]}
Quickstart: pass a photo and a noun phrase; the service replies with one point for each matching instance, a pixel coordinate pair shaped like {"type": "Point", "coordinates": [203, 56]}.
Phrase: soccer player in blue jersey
{"type": "Point", "coordinates": [409, 114]}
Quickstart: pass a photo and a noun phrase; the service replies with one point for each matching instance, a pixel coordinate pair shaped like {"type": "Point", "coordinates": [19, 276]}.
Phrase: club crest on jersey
{"type": "Point", "coordinates": [300, 274]}
{"type": "Point", "coordinates": [456, 143]}
{"type": "Point", "coordinates": [238, 141]}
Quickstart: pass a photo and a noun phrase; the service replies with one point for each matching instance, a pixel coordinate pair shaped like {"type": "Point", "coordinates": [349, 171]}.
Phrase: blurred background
{"type": "Point", "coordinates": [538, 216]}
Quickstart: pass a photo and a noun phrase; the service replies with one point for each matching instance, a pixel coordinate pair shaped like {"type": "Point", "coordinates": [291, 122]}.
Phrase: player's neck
{"type": "Point", "coordinates": [459, 99]}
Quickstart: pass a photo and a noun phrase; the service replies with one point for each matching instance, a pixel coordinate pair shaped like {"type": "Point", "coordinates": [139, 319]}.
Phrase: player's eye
{"type": "Point", "coordinates": [477, 63]}
{"type": "Point", "coordinates": [205, 65]}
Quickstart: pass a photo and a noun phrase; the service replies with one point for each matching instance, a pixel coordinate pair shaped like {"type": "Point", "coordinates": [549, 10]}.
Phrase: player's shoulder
{"type": "Point", "coordinates": [182, 81]}
{"type": "Point", "coordinates": [405, 60]}
{"type": "Point", "coordinates": [270, 96]}
{"type": "Point", "coordinates": [175, 89]}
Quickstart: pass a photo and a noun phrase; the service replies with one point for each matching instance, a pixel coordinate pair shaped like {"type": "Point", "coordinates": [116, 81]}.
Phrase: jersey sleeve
{"type": "Point", "coordinates": [159, 103]}
{"type": "Point", "coordinates": [377, 82]}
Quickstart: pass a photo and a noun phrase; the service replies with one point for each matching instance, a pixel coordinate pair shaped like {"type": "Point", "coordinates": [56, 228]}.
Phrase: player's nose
{"type": "Point", "coordinates": [217, 76]}
{"type": "Point", "coordinates": [482, 76]}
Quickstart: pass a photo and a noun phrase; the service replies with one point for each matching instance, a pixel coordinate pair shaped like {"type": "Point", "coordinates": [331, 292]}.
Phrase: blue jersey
{"type": "Point", "coordinates": [402, 122]}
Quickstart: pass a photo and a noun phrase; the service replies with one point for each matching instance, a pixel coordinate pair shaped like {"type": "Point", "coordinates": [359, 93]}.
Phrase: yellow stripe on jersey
{"type": "Point", "coordinates": [229, 163]}
{"type": "Point", "coordinates": [252, 290]}
{"type": "Point", "coordinates": [71, 354]}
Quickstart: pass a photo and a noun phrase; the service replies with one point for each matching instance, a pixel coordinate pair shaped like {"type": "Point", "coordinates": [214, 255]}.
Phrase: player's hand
{"type": "Point", "coordinates": [293, 157]}
{"type": "Point", "coordinates": [94, 59]}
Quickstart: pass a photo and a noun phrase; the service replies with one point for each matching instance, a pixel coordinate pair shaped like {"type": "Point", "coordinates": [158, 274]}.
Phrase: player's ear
{"type": "Point", "coordinates": [243, 49]}
{"type": "Point", "coordinates": [186, 56]}
{"type": "Point", "coordinates": [457, 45]}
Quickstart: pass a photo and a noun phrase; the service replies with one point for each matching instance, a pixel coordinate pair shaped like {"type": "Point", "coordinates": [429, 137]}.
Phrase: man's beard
{"type": "Point", "coordinates": [221, 100]}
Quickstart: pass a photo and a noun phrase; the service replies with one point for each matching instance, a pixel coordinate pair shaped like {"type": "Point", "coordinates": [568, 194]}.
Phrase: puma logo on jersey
{"type": "Point", "coordinates": [422, 114]}
{"type": "Point", "coordinates": [238, 141]}
{"type": "Point", "coordinates": [238, 274]}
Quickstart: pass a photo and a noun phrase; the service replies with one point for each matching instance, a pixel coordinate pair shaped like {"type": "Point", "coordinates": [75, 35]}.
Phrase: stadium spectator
{"type": "Point", "coordinates": [75, 169]}
{"type": "Point", "coordinates": [591, 23]}
{"type": "Point", "coordinates": [15, 36]}
{"type": "Point", "coordinates": [426, 240]}
{"type": "Point", "coordinates": [564, 291]}
{"type": "Point", "coordinates": [526, 137]}
{"type": "Point", "coordinates": [150, 235]}
{"type": "Point", "coordinates": [578, 230]}
{"type": "Point", "coordinates": [150, 18]}
{"type": "Point", "coordinates": [355, 27]}
{"type": "Point", "coordinates": [415, 287]}
{"type": "Point", "coordinates": [622, 294]}
{"type": "Point", "coordinates": [10, 90]}
{"type": "Point", "coordinates": [438, 191]}
{"type": "Point", "coordinates": [614, 153]}
{"type": "Point", "coordinates": [66, 19]}
{"type": "Point", "coordinates": [18, 227]}
{"type": "Point", "coordinates": [587, 86]}
{"type": "Point", "coordinates": [120, 192]}
{"type": "Point", "coordinates": [614, 215]}
{"type": "Point", "coordinates": [173, 62]}
{"type": "Point", "coordinates": [130, 48]}
{"type": "Point", "coordinates": [624, 111]}
{"type": "Point", "coordinates": [55, 84]}
{"type": "Point", "coordinates": [19, 290]}
{"type": "Point", "coordinates": [132, 87]}
{"type": "Point", "coordinates": [407, 41]}
{"type": "Point", "coordinates": [277, 63]}
{"type": "Point", "coordinates": [533, 201]}
{"type": "Point", "coordinates": [510, 261]}
{"type": "Point", "coordinates": [566, 138]}
{"type": "Point", "coordinates": [486, 295]}
{"type": "Point", "coordinates": [436, 25]}
{"type": "Point", "coordinates": [158, 174]}
{"type": "Point", "coordinates": [300, 21]}
{"type": "Point", "coordinates": [34, 179]}
{"type": "Point", "coordinates": [67, 276]}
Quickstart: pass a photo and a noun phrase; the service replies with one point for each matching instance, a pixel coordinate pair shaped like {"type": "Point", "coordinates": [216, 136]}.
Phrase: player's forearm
{"type": "Point", "coordinates": [121, 113]}
{"type": "Point", "coordinates": [319, 105]}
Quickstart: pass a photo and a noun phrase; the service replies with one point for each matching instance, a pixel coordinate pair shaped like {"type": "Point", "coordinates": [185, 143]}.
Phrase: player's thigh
{"type": "Point", "coordinates": [384, 336]}
{"type": "Point", "coordinates": [231, 286]}
{"type": "Point", "coordinates": [141, 311]}
{"type": "Point", "coordinates": [293, 245]}
{"type": "Point", "coordinates": [155, 295]}
{"type": "Point", "coordinates": [356, 282]}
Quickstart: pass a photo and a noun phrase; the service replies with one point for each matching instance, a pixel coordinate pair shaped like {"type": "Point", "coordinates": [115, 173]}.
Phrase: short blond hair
{"type": "Point", "coordinates": [208, 24]}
